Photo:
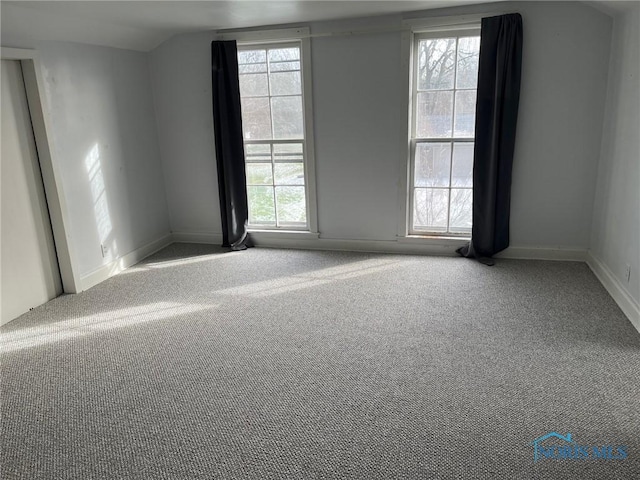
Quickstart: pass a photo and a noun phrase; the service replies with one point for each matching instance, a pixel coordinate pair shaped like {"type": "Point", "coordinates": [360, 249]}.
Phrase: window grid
{"type": "Point", "coordinates": [300, 157]}
{"type": "Point", "coordinates": [451, 140]}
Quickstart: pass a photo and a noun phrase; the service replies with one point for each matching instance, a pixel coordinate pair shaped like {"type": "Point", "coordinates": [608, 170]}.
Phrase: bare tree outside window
{"type": "Point", "coordinates": [443, 125]}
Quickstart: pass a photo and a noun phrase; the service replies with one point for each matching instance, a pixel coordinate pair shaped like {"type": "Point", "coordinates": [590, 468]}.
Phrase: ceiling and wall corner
{"type": "Point", "coordinates": [143, 25]}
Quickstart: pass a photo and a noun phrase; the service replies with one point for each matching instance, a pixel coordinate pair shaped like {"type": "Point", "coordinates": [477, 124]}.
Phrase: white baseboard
{"type": "Point", "coordinates": [206, 238]}
{"type": "Point", "coordinates": [404, 245]}
{"type": "Point", "coordinates": [408, 245]}
{"type": "Point", "coordinates": [537, 253]}
{"type": "Point", "coordinates": [625, 301]}
{"type": "Point", "coordinates": [311, 241]}
{"type": "Point", "coordinates": [116, 266]}
{"type": "Point", "coordinates": [348, 245]}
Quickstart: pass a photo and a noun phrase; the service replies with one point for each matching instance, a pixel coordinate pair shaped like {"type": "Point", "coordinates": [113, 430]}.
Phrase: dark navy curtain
{"type": "Point", "coordinates": [227, 120]}
{"type": "Point", "coordinates": [496, 116]}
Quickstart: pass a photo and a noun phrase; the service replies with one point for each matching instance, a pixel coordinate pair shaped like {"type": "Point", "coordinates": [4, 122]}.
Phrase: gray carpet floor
{"type": "Point", "coordinates": [273, 364]}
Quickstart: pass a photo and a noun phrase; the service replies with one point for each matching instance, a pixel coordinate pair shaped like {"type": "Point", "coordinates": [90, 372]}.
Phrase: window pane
{"type": "Point", "coordinates": [252, 68]}
{"type": "Point", "coordinates": [253, 85]}
{"type": "Point", "coordinates": [462, 175]}
{"type": "Point", "coordinates": [286, 83]}
{"type": "Point", "coordinates": [252, 61]}
{"type": "Point", "coordinates": [256, 118]}
{"type": "Point", "coordinates": [468, 53]}
{"type": "Point", "coordinates": [430, 208]}
{"type": "Point", "coordinates": [432, 164]}
{"type": "Point", "coordinates": [259, 174]}
{"type": "Point", "coordinates": [287, 152]}
{"type": "Point", "coordinates": [257, 152]}
{"type": "Point", "coordinates": [436, 64]}
{"type": "Point", "coordinates": [291, 206]}
{"type": "Point", "coordinates": [284, 54]}
{"type": "Point", "coordinates": [435, 110]}
{"type": "Point", "coordinates": [287, 117]}
{"type": "Point", "coordinates": [289, 173]}
{"type": "Point", "coordinates": [279, 66]}
{"type": "Point", "coordinates": [461, 210]}
{"type": "Point", "coordinates": [465, 113]}
{"type": "Point", "coordinates": [261, 208]}
{"type": "Point", "coordinates": [252, 56]}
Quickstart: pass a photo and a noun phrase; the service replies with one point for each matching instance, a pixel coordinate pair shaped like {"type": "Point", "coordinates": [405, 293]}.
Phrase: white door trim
{"type": "Point", "coordinates": [41, 122]}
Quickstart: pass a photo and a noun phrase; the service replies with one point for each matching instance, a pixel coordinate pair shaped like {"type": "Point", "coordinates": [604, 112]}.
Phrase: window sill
{"type": "Point", "coordinates": [433, 240]}
{"type": "Point", "coordinates": [283, 234]}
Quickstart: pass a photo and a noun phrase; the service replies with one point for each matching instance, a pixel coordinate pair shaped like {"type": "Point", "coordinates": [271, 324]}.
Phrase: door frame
{"type": "Point", "coordinates": [41, 123]}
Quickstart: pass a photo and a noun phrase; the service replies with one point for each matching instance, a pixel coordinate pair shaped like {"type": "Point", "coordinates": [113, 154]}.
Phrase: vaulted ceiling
{"type": "Point", "coordinates": [143, 25]}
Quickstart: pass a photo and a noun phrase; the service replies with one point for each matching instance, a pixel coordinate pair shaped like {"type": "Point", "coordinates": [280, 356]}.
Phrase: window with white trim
{"type": "Point", "coordinates": [273, 118]}
{"type": "Point", "coordinates": [445, 76]}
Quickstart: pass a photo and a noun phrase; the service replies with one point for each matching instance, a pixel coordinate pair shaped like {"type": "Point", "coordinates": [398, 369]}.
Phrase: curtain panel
{"type": "Point", "coordinates": [498, 97]}
{"type": "Point", "coordinates": [227, 120]}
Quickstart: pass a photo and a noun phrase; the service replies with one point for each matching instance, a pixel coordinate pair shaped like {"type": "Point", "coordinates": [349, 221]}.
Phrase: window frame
{"type": "Point", "coordinates": [419, 28]}
{"type": "Point", "coordinates": [414, 140]}
{"type": "Point", "coordinates": [282, 37]}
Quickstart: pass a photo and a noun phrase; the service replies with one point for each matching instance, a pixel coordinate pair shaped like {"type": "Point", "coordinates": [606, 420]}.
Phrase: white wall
{"type": "Point", "coordinates": [181, 73]}
{"type": "Point", "coordinates": [106, 150]}
{"type": "Point", "coordinates": [358, 90]}
{"type": "Point", "coordinates": [615, 237]}
{"type": "Point", "coordinates": [358, 102]}
{"type": "Point", "coordinates": [563, 92]}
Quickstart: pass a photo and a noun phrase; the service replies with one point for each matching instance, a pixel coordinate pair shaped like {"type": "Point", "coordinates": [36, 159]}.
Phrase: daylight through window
{"type": "Point", "coordinates": [271, 91]}
{"type": "Point", "coordinates": [445, 77]}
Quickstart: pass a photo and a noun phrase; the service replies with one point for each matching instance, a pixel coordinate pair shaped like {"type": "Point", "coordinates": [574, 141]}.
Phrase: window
{"type": "Point", "coordinates": [445, 75]}
{"type": "Point", "coordinates": [276, 148]}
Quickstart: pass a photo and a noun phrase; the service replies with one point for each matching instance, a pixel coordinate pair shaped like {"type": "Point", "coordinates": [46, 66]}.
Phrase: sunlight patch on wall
{"type": "Point", "coordinates": [102, 215]}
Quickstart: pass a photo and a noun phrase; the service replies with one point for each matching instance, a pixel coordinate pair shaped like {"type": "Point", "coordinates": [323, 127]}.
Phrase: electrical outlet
{"type": "Point", "coordinates": [627, 273]}
{"type": "Point", "coordinates": [104, 250]}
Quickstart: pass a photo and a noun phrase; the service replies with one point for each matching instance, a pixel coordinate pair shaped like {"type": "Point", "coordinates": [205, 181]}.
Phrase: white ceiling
{"type": "Point", "coordinates": [613, 7]}
{"type": "Point", "coordinates": [143, 25]}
